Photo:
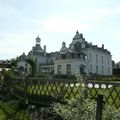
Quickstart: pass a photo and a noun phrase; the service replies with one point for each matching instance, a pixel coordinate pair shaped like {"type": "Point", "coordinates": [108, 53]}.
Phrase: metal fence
{"type": "Point", "coordinates": [44, 91]}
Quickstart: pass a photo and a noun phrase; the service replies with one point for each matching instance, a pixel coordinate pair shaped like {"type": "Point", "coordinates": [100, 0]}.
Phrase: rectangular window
{"type": "Point", "coordinates": [90, 68]}
{"type": "Point", "coordinates": [68, 68]}
{"type": "Point", "coordinates": [72, 55]}
{"type": "Point", "coordinates": [102, 59]}
{"type": "Point", "coordinates": [78, 55]}
{"type": "Point", "coordinates": [96, 69]}
{"type": "Point", "coordinates": [108, 61]}
{"type": "Point", "coordinates": [96, 58]}
{"type": "Point", "coordinates": [90, 56]}
{"type": "Point", "coordinates": [117, 66]}
{"type": "Point", "coordinates": [59, 69]}
{"type": "Point", "coordinates": [64, 56]}
{"type": "Point", "coordinates": [102, 70]}
{"type": "Point", "coordinates": [108, 70]}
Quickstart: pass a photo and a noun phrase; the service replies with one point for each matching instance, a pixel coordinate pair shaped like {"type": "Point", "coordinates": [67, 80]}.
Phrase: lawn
{"type": "Point", "coordinates": [7, 111]}
{"type": "Point", "coordinates": [64, 90]}
{"type": "Point", "coordinates": [2, 115]}
{"type": "Point", "coordinates": [54, 90]}
{"type": "Point", "coordinates": [111, 95]}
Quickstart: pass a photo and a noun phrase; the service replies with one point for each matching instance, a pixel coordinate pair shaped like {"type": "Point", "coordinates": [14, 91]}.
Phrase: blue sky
{"type": "Point", "coordinates": [56, 21]}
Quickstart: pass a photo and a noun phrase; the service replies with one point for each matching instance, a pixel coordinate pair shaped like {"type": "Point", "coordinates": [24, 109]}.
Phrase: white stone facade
{"type": "Point", "coordinates": [80, 57]}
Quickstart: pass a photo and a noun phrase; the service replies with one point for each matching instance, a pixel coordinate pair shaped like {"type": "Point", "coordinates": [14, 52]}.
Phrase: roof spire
{"type": "Point", "coordinates": [77, 33]}
{"type": "Point", "coordinates": [78, 36]}
{"type": "Point", "coordinates": [38, 34]}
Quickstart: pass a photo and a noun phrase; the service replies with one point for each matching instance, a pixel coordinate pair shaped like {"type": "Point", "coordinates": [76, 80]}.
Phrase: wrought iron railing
{"type": "Point", "coordinates": [44, 92]}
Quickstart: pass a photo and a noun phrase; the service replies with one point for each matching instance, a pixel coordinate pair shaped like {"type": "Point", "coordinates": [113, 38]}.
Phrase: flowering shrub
{"type": "Point", "coordinates": [84, 108]}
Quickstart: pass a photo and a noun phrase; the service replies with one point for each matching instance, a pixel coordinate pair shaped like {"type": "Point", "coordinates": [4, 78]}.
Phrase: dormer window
{"type": "Point", "coordinates": [72, 55]}
{"type": "Point", "coordinates": [63, 56]}
{"type": "Point", "coordinates": [64, 49]}
{"type": "Point", "coordinates": [78, 46]}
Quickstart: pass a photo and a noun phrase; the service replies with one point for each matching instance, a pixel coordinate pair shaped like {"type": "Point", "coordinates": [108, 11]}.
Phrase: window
{"type": "Point", "coordinates": [108, 61]}
{"type": "Point", "coordinates": [90, 56]}
{"type": "Point", "coordinates": [102, 70]}
{"type": "Point", "coordinates": [64, 56]}
{"type": "Point", "coordinates": [52, 62]}
{"type": "Point", "coordinates": [102, 59]}
{"type": "Point", "coordinates": [96, 58]}
{"type": "Point", "coordinates": [36, 60]}
{"type": "Point", "coordinates": [68, 68]}
{"type": "Point", "coordinates": [59, 69]}
{"type": "Point", "coordinates": [78, 47]}
{"type": "Point", "coordinates": [72, 55]}
{"type": "Point", "coordinates": [90, 68]}
{"type": "Point", "coordinates": [108, 70]}
{"type": "Point", "coordinates": [79, 56]}
{"type": "Point", "coordinates": [117, 66]}
{"type": "Point", "coordinates": [96, 69]}
{"type": "Point", "coordinates": [82, 68]}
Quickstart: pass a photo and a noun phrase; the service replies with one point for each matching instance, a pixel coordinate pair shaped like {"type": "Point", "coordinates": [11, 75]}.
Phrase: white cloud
{"type": "Point", "coordinates": [88, 17]}
{"type": "Point", "coordinates": [102, 12]}
{"type": "Point", "coordinates": [64, 23]}
{"type": "Point", "coordinates": [14, 44]}
{"type": "Point", "coordinates": [32, 20]}
{"type": "Point", "coordinates": [7, 10]}
{"type": "Point", "coordinates": [59, 23]}
{"type": "Point", "coordinates": [109, 11]}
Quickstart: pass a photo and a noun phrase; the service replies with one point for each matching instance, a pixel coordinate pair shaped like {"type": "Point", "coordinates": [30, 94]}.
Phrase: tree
{"type": "Point", "coordinates": [32, 64]}
{"type": "Point", "coordinates": [13, 63]}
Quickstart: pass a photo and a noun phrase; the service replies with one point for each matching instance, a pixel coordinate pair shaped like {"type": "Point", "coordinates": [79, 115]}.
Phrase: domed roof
{"type": "Point", "coordinates": [38, 39]}
{"type": "Point", "coordinates": [64, 49]}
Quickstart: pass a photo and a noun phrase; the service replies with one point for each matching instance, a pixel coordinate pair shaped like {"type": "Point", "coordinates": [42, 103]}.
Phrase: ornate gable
{"type": "Point", "coordinates": [78, 36]}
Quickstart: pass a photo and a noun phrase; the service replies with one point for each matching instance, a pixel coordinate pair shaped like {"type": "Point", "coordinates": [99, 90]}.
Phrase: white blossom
{"type": "Point", "coordinates": [103, 86]}
{"type": "Point", "coordinates": [109, 86]}
{"type": "Point", "coordinates": [90, 85]}
{"type": "Point", "coordinates": [96, 86]}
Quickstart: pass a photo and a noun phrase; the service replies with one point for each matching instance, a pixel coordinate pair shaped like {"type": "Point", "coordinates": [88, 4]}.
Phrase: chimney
{"type": "Point", "coordinates": [45, 50]}
{"type": "Point", "coordinates": [102, 46]}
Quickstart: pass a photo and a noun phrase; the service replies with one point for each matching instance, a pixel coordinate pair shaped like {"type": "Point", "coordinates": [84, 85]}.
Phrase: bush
{"type": "Point", "coordinates": [80, 109]}
{"type": "Point", "coordinates": [9, 75]}
{"type": "Point", "coordinates": [40, 76]}
{"type": "Point", "coordinates": [10, 112]}
{"type": "Point", "coordinates": [62, 76]}
{"type": "Point", "coordinates": [83, 108]}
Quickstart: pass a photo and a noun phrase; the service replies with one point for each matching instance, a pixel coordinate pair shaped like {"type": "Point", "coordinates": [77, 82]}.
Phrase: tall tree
{"type": "Point", "coordinates": [32, 64]}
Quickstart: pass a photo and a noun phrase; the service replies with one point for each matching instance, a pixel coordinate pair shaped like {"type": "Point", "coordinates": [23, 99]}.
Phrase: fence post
{"type": "Point", "coordinates": [26, 87]}
{"type": "Point", "coordinates": [85, 88]}
{"type": "Point", "coordinates": [99, 107]}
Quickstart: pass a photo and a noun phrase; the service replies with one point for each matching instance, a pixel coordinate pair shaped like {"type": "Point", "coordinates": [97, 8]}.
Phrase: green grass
{"type": "Point", "coordinates": [62, 90]}
{"type": "Point", "coordinates": [112, 97]}
{"type": "Point", "coordinates": [2, 115]}
{"type": "Point", "coordinates": [53, 90]}
{"type": "Point", "coordinates": [7, 111]}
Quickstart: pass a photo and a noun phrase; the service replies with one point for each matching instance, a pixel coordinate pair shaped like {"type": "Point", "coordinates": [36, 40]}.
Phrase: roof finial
{"type": "Point", "coordinates": [38, 34]}
{"type": "Point", "coordinates": [77, 33]}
